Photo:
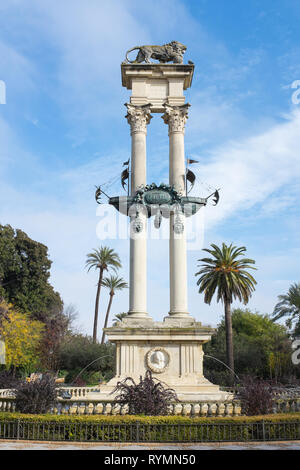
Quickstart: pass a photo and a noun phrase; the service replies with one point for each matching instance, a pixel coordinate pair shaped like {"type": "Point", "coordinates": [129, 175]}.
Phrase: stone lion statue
{"type": "Point", "coordinates": [173, 51]}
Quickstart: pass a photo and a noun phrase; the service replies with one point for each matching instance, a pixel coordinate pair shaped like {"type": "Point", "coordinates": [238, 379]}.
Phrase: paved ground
{"type": "Point", "coordinates": [34, 445]}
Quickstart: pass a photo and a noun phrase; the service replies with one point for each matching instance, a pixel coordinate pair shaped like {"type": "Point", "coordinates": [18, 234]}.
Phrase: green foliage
{"type": "Point", "coordinates": [57, 326]}
{"type": "Point", "coordinates": [262, 348]}
{"type": "Point", "coordinates": [24, 274]}
{"type": "Point", "coordinates": [124, 419]}
{"type": "Point", "coordinates": [77, 351]}
{"type": "Point", "coordinates": [289, 306]}
{"type": "Point", "coordinates": [154, 428]}
{"type": "Point", "coordinates": [226, 274]}
{"type": "Point", "coordinates": [113, 283]}
{"type": "Point", "coordinates": [119, 317]}
{"type": "Point", "coordinates": [103, 259]}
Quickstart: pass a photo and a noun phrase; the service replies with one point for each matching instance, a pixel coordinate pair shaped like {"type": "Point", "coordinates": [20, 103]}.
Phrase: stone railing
{"type": "Point", "coordinates": [7, 392]}
{"type": "Point", "coordinates": [79, 392]}
{"type": "Point", "coordinates": [81, 404]}
{"type": "Point", "coordinates": [75, 392]}
{"type": "Point", "coordinates": [278, 392]}
{"type": "Point", "coordinates": [86, 406]}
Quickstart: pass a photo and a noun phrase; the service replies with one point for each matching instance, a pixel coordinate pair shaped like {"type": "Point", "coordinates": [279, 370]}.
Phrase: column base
{"type": "Point", "coordinates": [179, 319]}
{"type": "Point", "coordinates": [137, 319]}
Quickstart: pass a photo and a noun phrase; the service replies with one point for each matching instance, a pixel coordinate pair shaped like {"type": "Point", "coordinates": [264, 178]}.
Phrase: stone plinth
{"type": "Point", "coordinates": [171, 349]}
{"type": "Point", "coordinates": [157, 84]}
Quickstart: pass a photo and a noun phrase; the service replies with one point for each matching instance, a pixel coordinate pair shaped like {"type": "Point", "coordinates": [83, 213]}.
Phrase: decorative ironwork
{"type": "Point", "coordinates": [159, 201]}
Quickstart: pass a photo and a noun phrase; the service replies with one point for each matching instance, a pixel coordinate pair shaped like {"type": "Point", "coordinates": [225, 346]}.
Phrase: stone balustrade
{"type": "Point", "coordinates": [81, 404]}
{"type": "Point", "coordinates": [79, 392]}
{"type": "Point", "coordinates": [84, 406]}
{"type": "Point", "coordinates": [7, 392]}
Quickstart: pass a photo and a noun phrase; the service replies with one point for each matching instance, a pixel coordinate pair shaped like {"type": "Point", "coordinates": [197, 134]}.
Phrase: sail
{"type": "Point", "coordinates": [216, 197]}
{"type": "Point", "coordinates": [124, 177]}
{"type": "Point", "coordinates": [190, 176]}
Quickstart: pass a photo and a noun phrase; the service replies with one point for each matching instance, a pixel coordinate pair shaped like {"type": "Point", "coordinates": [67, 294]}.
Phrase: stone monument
{"type": "Point", "coordinates": [172, 348]}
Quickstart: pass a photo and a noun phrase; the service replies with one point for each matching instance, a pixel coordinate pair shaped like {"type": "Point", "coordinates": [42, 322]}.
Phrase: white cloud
{"type": "Point", "coordinates": [250, 170]}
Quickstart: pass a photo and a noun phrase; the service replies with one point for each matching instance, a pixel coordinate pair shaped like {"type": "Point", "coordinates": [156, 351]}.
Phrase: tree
{"type": "Point", "coordinates": [24, 274]}
{"type": "Point", "coordinates": [262, 349]}
{"type": "Point", "coordinates": [22, 337]}
{"type": "Point", "coordinates": [119, 317]}
{"type": "Point", "coordinates": [113, 283]}
{"type": "Point", "coordinates": [57, 326]}
{"type": "Point", "coordinates": [226, 274]}
{"type": "Point", "coordinates": [103, 259]}
{"type": "Point", "coordinates": [289, 306]}
{"type": "Point", "coordinates": [78, 351]}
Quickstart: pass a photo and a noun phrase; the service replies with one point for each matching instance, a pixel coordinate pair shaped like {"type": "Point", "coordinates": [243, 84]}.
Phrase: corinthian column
{"type": "Point", "coordinates": [138, 117]}
{"type": "Point", "coordinates": [175, 117]}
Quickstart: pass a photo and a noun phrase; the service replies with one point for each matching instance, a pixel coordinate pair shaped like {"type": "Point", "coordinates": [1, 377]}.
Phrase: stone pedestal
{"type": "Point", "coordinates": [171, 349]}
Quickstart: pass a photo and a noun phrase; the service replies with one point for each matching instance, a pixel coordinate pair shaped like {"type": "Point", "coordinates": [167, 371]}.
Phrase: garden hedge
{"type": "Point", "coordinates": [127, 419]}
{"type": "Point", "coordinates": [149, 428]}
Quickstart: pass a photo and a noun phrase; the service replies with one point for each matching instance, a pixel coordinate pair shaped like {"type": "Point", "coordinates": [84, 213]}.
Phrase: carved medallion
{"type": "Point", "coordinates": [157, 360]}
{"type": "Point", "coordinates": [137, 225]}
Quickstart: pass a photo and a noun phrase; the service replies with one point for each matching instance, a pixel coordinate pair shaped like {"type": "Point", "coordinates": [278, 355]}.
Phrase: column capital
{"type": "Point", "coordinates": [138, 117]}
{"type": "Point", "coordinates": [175, 117]}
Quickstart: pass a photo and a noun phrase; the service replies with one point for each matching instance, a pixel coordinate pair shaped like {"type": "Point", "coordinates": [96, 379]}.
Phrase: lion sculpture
{"type": "Point", "coordinates": [173, 51]}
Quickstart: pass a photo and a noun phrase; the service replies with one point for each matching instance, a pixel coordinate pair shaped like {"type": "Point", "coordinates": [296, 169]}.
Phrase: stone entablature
{"type": "Point", "coordinates": [157, 84]}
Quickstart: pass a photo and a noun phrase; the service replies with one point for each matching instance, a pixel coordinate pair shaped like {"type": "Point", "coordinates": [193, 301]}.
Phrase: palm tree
{"type": "Point", "coordinates": [119, 317]}
{"type": "Point", "coordinates": [289, 305]}
{"type": "Point", "coordinates": [226, 274]}
{"type": "Point", "coordinates": [103, 259]}
{"type": "Point", "coordinates": [113, 283]}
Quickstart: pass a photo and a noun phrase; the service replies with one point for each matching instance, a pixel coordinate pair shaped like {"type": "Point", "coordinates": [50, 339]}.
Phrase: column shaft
{"type": "Point", "coordinates": [138, 117]}
{"type": "Point", "coordinates": [175, 117]}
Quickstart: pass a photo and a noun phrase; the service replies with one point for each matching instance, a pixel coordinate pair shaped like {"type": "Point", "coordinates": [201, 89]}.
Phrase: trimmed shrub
{"type": "Point", "coordinates": [151, 429]}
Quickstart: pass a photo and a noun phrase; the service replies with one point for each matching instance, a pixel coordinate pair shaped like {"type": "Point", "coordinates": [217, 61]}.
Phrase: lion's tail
{"type": "Point", "coordinates": [130, 50]}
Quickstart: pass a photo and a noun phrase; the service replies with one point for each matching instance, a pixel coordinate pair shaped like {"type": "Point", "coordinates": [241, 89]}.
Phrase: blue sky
{"type": "Point", "coordinates": [62, 131]}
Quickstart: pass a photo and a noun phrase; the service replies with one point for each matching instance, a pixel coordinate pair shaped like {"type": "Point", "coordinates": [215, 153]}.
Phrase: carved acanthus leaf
{"type": "Point", "coordinates": [175, 117]}
{"type": "Point", "coordinates": [138, 117]}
